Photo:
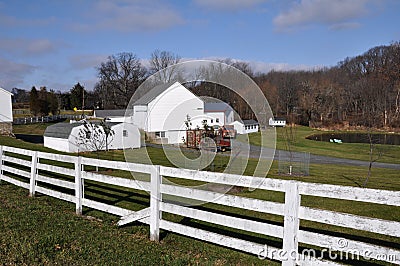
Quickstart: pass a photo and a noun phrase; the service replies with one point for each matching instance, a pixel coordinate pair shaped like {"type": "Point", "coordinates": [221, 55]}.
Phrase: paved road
{"type": "Point", "coordinates": [318, 159]}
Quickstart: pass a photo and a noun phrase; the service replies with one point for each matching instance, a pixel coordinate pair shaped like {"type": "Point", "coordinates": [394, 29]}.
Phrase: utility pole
{"type": "Point", "coordinates": [83, 103]}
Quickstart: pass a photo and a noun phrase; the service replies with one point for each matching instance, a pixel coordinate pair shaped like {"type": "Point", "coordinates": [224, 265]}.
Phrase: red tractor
{"type": "Point", "coordinates": [213, 138]}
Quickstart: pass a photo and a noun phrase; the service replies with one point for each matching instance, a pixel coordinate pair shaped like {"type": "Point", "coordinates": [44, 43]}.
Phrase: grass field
{"type": "Point", "coordinates": [357, 151]}
{"type": "Point", "coordinates": [72, 240]}
{"type": "Point", "coordinates": [45, 231]}
{"type": "Point", "coordinates": [33, 129]}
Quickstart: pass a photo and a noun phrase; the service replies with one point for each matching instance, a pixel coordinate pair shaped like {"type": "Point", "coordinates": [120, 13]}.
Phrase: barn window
{"type": "Point", "coordinates": [125, 133]}
{"type": "Point", "coordinates": [212, 121]}
{"type": "Point", "coordinates": [160, 134]}
{"type": "Point", "coordinates": [217, 120]}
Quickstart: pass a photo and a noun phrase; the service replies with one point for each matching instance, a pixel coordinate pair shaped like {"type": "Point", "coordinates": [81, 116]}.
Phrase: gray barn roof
{"type": "Point", "coordinates": [217, 107]}
{"type": "Point", "coordinates": [208, 99]}
{"type": "Point", "coordinates": [63, 130]}
{"type": "Point", "coordinates": [112, 113]}
{"type": "Point", "coordinates": [250, 122]}
{"type": "Point", "coordinates": [152, 94]}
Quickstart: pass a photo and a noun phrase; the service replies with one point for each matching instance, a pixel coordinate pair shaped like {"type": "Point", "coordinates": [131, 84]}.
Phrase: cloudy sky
{"type": "Point", "coordinates": [59, 43]}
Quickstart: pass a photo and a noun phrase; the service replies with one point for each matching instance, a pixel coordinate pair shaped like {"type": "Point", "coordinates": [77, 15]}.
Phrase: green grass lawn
{"type": "Point", "coordinates": [69, 239]}
{"type": "Point", "coordinates": [357, 151]}
{"type": "Point", "coordinates": [45, 231]}
{"type": "Point", "coordinates": [32, 129]}
{"type": "Point", "coordinates": [319, 173]}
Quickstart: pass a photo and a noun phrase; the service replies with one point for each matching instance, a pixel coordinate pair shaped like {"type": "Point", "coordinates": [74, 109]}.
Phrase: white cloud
{"type": "Point", "coordinates": [262, 67]}
{"type": "Point", "coordinates": [12, 74]}
{"type": "Point", "coordinates": [229, 5]}
{"type": "Point", "coordinates": [330, 12]}
{"type": "Point", "coordinates": [28, 47]}
{"type": "Point", "coordinates": [130, 16]}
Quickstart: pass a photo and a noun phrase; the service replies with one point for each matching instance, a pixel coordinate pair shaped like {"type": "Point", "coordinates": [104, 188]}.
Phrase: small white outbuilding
{"type": "Point", "coordinates": [277, 122]}
{"type": "Point", "coordinates": [65, 137]}
{"type": "Point", "coordinates": [245, 126]}
{"type": "Point", "coordinates": [6, 117]}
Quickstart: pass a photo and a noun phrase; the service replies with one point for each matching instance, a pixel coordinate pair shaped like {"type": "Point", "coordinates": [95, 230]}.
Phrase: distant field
{"type": "Point", "coordinates": [357, 151]}
{"type": "Point", "coordinates": [33, 129]}
{"type": "Point", "coordinates": [78, 112]}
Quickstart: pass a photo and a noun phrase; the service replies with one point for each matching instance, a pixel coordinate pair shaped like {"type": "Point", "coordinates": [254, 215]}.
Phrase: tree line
{"type": "Point", "coordinates": [359, 91]}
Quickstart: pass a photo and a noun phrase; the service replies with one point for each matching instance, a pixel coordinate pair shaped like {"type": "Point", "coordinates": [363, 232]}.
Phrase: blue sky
{"type": "Point", "coordinates": [58, 43]}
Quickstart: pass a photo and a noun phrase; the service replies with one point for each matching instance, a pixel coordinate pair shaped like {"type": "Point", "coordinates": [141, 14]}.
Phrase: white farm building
{"type": "Point", "coordinates": [277, 122]}
{"type": "Point", "coordinates": [117, 115]}
{"type": "Point", "coordinates": [65, 137]}
{"type": "Point", "coordinates": [6, 116]}
{"type": "Point", "coordinates": [163, 110]}
{"type": "Point", "coordinates": [217, 112]}
{"type": "Point", "coordinates": [245, 126]}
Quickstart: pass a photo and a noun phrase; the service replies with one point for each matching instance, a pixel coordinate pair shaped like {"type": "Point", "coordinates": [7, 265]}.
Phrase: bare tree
{"type": "Point", "coordinates": [95, 136]}
{"type": "Point", "coordinates": [162, 63]}
{"type": "Point", "coordinates": [375, 153]}
{"type": "Point", "coordinates": [119, 77]}
{"type": "Point", "coordinates": [289, 137]}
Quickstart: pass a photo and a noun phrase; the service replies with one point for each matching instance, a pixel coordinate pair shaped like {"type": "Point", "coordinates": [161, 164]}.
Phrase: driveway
{"type": "Point", "coordinates": [267, 153]}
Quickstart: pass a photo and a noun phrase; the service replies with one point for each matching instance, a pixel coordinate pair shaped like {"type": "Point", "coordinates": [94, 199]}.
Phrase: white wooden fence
{"type": "Point", "coordinates": [15, 162]}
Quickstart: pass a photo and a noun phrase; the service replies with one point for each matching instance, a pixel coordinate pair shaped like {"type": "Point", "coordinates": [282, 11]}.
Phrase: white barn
{"type": "Point", "coordinates": [163, 110]}
{"type": "Point", "coordinates": [245, 126]}
{"type": "Point", "coordinates": [6, 116]}
{"type": "Point", "coordinates": [64, 137]}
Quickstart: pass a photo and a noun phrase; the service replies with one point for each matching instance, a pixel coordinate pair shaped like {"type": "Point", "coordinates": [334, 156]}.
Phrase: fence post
{"type": "Point", "coordinates": [1, 163]}
{"type": "Point", "coordinates": [32, 181]}
{"type": "Point", "coordinates": [291, 223]}
{"type": "Point", "coordinates": [155, 199]}
{"type": "Point", "coordinates": [78, 185]}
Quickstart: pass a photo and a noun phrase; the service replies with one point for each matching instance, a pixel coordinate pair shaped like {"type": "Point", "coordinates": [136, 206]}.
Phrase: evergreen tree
{"type": "Point", "coordinates": [53, 102]}
{"type": "Point", "coordinates": [43, 102]}
{"type": "Point", "coordinates": [34, 101]}
{"type": "Point", "coordinates": [78, 95]}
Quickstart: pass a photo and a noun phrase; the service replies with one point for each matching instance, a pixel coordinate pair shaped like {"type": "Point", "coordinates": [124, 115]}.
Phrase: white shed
{"type": "Point", "coordinates": [245, 126]}
{"type": "Point", "coordinates": [163, 110]}
{"type": "Point", "coordinates": [64, 137]}
{"type": "Point", "coordinates": [6, 117]}
{"type": "Point", "coordinates": [277, 122]}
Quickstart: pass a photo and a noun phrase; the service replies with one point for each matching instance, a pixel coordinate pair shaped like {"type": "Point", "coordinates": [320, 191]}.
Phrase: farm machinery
{"type": "Point", "coordinates": [214, 138]}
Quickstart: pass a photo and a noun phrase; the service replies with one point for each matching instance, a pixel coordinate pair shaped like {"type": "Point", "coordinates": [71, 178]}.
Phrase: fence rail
{"type": "Point", "coordinates": [43, 119]}
{"type": "Point", "coordinates": [63, 177]}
